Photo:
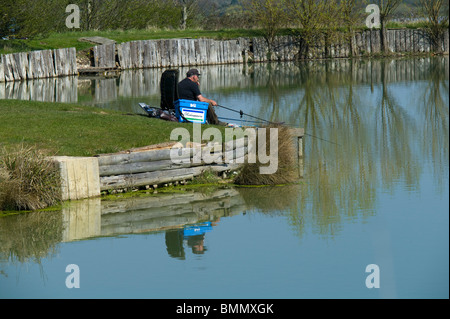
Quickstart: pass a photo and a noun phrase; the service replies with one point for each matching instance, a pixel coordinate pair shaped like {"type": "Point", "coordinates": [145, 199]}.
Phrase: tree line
{"type": "Point", "coordinates": [31, 18]}
{"type": "Point", "coordinates": [314, 20]}
{"type": "Point", "coordinates": [322, 21]}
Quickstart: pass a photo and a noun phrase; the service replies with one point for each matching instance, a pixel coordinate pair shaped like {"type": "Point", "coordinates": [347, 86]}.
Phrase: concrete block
{"type": "Point", "coordinates": [80, 177]}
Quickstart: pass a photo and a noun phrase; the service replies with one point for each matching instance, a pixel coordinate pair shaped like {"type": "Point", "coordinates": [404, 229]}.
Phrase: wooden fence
{"type": "Point", "coordinates": [180, 52]}
{"type": "Point", "coordinates": [38, 64]}
{"type": "Point", "coordinates": [197, 52]}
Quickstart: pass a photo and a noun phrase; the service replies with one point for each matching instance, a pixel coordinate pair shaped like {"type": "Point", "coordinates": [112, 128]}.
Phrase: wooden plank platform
{"type": "Point", "coordinates": [98, 71]}
{"type": "Point", "coordinates": [97, 40]}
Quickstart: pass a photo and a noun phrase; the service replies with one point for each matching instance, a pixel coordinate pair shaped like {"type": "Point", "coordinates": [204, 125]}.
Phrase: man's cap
{"type": "Point", "coordinates": [193, 72]}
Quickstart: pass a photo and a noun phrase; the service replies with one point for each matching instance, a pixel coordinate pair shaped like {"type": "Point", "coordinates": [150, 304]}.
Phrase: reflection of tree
{"type": "Point", "coordinates": [30, 237]}
{"type": "Point", "coordinates": [344, 166]}
{"type": "Point", "coordinates": [273, 100]}
{"type": "Point", "coordinates": [339, 183]}
{"type": "Point", "coordinates": [434, 110]}
{"type": "Point", "coordinates": [396, 133]}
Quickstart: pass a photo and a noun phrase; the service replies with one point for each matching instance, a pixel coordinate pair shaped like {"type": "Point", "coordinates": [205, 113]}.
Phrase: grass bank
{"type": "Point", "coordinates": [31, 131]}
{"type": "Point", "coordinates": [74, 130]}
{"type": "Point", "coordinates": [41, 129]}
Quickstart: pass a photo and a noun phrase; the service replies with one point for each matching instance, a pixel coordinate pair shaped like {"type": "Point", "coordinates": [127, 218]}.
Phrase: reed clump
{"type": "Point", "coordinates": [287, 171]}
{"type": "Point", "coordinates": [28, 180]}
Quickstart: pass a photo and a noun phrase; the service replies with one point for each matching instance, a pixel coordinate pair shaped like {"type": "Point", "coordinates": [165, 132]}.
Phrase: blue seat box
{"type": "Point", "coordinates": [193, 111]}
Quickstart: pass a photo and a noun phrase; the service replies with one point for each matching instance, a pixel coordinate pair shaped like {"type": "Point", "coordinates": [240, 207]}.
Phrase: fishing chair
{"type": "Point", "coordinates": [169, 89]}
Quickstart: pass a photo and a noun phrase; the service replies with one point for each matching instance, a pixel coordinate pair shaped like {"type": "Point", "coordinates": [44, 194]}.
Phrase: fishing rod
{"type": "Point", "coordinates": [322, 139]}
{"type": "Point", "coordinates": [249, 115]}
{"type": "Point", "coordinates": [240, 120]}
{"type": "Point", "coordinates": [269, 122]}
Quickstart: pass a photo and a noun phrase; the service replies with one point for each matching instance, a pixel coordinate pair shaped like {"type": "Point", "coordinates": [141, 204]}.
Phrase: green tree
{"type": "Point", "coordinates": [349, 20]}
{"type": "Point", "coordinates": [22, 18]}
{"type": "Point", "coordinates": [317, 19]}
{"type": "Point", "coordinates": [188, 8]}
{"type": "Point", "coordinates": [270, 15]}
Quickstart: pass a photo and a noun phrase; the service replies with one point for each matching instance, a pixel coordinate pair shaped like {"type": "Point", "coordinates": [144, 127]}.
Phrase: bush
{"type": "Point", "coordinates": [287, 168]}
{"type": "Point", "coordinates": [28, 180]}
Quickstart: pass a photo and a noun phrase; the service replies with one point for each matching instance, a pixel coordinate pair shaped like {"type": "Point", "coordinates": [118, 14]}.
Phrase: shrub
{"type": "Point", "coordinates": [28, 180]}
{"type": "Point", "coordinates": [287, 168]}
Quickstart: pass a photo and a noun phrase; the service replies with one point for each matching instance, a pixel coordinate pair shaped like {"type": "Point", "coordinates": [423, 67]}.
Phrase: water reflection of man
{"type": "Point", "coordinates": [175, 248]}
{"type": "Point", "coordinates": [174, 244]}
{"type": "Point", "coordinates": [189, 89]}
{"type": "Point", "coordinates": [197, 244]}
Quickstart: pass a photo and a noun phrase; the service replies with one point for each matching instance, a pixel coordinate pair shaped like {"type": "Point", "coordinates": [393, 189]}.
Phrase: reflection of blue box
{"type": "Point", "coordinates": [198, 229]}
{"type": "Point", "coordinates": [193, 111]}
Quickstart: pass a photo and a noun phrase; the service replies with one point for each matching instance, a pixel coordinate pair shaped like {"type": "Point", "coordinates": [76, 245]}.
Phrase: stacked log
{"type": "Point", "coordinates": [154, 167]}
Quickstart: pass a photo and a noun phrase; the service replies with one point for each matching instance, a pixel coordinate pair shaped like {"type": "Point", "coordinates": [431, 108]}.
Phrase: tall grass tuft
{"type": "Point", "coordinates": [28, 180]}
{"type": "Point", "coordinates": [287, 166]}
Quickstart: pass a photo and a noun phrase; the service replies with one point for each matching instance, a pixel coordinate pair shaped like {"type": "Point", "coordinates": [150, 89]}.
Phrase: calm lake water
{"type": "Point", "coordinates": [375, 191]}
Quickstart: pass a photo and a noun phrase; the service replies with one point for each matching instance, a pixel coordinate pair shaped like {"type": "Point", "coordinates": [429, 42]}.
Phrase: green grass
{"type": "Point", "coordinates": [74, 130]}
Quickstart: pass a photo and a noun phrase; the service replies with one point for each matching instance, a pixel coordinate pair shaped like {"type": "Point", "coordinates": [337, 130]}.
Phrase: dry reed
{"type": "Point", "coordinates": [287, 166]}
{"type": "Point", "coordinates": [28, 180]}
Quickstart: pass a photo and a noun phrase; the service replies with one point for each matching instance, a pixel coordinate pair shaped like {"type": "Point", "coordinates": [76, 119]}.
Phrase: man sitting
{"type": "Point", "coordinates": [189, 89]}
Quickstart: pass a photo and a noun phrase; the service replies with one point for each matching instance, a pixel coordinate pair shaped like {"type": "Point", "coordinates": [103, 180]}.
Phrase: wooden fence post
{"type": "Point", "coordinates": [2, 70]}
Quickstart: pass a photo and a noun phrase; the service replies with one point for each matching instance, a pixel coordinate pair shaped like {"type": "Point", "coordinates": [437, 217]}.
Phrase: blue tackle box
{"type": "Point", "coordinates": [192, 111]}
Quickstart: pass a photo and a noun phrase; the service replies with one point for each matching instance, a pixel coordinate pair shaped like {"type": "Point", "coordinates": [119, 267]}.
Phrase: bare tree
{"type": "Point", "coordinates": [317, 19]}
{"type": "Point", "coordinates": [387, 8]}
{"type": "Point", "coordinates": [187, 8]}
{"type": "Point", "coordinates": [270, 15]}
{"type": "Point", "coordinates": [346, 8]}
{"type": "Point", "coordinates": [436, 12]}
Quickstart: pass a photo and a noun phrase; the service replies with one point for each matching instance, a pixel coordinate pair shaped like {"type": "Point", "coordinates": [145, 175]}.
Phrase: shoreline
{"type": "Point", "coordinates": [180, 52]}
